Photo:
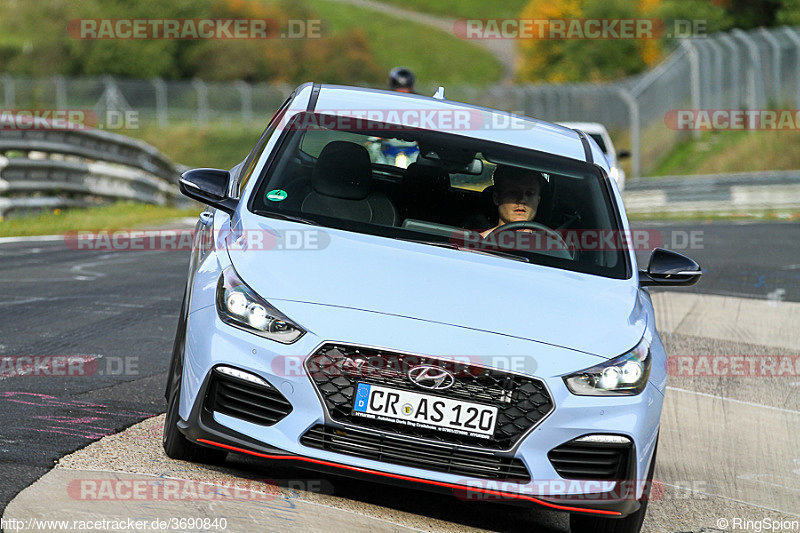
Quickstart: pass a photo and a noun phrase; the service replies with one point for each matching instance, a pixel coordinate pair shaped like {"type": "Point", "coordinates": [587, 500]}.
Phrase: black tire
{"type": "Point", "coordinates": [175, 443]}
{"type": "Point", "coordinates": [630, 524]}
{"type": "Point", "coordinates": [177, 347]}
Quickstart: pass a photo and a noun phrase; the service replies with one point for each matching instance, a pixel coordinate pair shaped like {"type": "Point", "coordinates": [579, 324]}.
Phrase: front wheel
{"type": "Point", "coordinates": [175, 443]}
{"type": "Point", "coordinates": [630, 524]}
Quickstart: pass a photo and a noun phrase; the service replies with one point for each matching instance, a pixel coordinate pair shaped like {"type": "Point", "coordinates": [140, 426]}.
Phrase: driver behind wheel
{"type": "Point", "coordinates": [517, 193]}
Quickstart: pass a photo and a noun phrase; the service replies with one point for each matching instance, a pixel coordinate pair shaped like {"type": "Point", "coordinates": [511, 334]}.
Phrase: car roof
{"type": "Point", "coordinates": [480, 123]}
{"type": "Point", "coordinates": [588, 127]}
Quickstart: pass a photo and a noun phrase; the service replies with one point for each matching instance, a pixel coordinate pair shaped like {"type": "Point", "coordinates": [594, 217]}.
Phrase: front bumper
{"type": "Point", "coordinates": [211, 343]}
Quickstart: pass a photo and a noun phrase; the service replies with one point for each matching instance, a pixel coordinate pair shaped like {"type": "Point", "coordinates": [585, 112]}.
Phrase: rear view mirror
{"type": "Point", "coordinates": [209, 186]}
{"type": "Point", "coordinates": [472, 168]}
{"type": "Point", "coordinates": [669, 268]}
{"type": "Point", "coordinates": [475, 168]}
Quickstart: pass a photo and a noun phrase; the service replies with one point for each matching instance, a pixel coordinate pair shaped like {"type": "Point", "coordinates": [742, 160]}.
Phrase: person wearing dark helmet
{"type": "Point", "coordinates": [396, 152]}
{"type": "Point", "coordinates": [402, 80]}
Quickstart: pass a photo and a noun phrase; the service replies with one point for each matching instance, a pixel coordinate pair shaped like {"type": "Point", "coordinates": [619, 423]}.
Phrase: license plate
{"type": "Point", "coordinates": [425, 411]}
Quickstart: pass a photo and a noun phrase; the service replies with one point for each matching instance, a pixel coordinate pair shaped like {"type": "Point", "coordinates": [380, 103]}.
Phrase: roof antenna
{"type": "Point", "coordinates": [439, 95]}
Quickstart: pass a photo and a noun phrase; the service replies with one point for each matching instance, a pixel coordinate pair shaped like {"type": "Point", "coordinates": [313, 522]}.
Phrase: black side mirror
{"type": "Point", "coordinates": [622, 154]}
{"type": "Point", "coordinates": [669, 268]}
{"type": "Point", "coordinates": [209, 186]}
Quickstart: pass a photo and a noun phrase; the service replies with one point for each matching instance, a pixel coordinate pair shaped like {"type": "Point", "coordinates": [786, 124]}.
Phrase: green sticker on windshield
{"type": "Point", "coordinates": [276, 195]}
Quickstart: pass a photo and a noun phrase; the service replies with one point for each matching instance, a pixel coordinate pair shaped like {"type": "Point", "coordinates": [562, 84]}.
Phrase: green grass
{"type": "Point", "coordinates": [433, 55]}
{"type": "Point", "coordinates": [690, 154]}
{"type": "Point", "coordinates": [120, 215]}
{"type": "Point", "coordinates": [215, 145]}
{"type": "Point", "coordinates": [768, 215]}
{"type": "Point", "coordinates": [732, 151]}
{"type": "Point", "coordinates": [463, 8]}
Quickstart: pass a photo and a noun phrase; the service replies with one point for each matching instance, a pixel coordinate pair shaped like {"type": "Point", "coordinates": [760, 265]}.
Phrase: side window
{"type": "Point", "coordinates": [252, 160]}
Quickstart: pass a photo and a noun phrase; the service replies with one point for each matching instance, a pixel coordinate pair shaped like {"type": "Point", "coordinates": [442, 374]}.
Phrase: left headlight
{"type": "Point", "coordinates": [625, 375]}
{"type": "Point", "coordinates": [239, 306]}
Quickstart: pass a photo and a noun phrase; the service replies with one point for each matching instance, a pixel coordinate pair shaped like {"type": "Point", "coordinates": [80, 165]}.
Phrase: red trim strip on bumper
{"type": "Point", "coordinates": [410, 478]}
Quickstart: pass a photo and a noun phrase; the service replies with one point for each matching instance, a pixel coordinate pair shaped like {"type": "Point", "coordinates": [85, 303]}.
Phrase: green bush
{"type": "Point", "coordinates": [34, 40]}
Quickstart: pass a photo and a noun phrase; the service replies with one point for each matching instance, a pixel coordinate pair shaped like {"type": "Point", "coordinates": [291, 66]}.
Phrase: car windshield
{"type": "Point", "coordinates": [446, 190]}
{"type": "Point", "coordinates": [598, 138]}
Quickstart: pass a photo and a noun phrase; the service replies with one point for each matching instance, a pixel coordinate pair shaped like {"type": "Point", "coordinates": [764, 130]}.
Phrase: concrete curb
{"type": "Point", "coordinates": [57, 497]}
{"type": "Point", "coordinates": [762, 322]}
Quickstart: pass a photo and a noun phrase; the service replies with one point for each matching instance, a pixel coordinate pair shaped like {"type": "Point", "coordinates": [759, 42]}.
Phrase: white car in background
{"type": "Point", "coordinates": [599, 133]}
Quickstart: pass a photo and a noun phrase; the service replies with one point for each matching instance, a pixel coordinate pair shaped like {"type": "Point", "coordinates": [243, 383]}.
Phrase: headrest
{"type": "Point", "coordinates": [343, 170]}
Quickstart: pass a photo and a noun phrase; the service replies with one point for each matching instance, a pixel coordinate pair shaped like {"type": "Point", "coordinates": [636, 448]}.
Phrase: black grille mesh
{"type": "Point", "coordinates": [590, 460]}
{"type": "Point", "coordinates": [259, 404]}
{"type": "Point", "coordinates": [399, 451]}
{"type": "Point", "coordinates": [521, 401]}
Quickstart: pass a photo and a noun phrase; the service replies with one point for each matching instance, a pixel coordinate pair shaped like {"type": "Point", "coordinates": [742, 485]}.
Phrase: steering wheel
{"type": "Point", "coordinates": [563, 252]}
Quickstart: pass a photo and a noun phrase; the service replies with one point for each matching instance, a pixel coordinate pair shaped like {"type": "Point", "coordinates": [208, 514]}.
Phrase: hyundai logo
{"type": "Point", "coordinates": [431, 377]}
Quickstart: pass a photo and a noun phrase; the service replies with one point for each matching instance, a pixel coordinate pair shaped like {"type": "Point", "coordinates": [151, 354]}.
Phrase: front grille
{"type": "Point", "coordinates": [590, 460]}
{"type": "Point", "coordinates": [522, 401]}
{"type": "Point", "coordinates": [259, 404]}
{"type": "Point", "coordinates": [427, 456]}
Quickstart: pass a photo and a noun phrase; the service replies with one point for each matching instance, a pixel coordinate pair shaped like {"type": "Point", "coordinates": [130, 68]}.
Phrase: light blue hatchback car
{"type": "Point", "coordinates": [426, 293]}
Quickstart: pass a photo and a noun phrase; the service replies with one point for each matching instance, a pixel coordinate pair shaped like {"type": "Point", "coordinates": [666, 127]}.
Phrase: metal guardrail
{"type": "Point", "coordinates": [738, 70]}
{"type": "Point", "coordinates": [714, 193]}
{"type": "Point", "coordinates": [77, 168]}
{"type": "Point", "coordinates": [81, 167]}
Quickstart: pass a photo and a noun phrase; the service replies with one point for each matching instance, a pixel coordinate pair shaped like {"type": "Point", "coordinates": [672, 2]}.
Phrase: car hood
{"type": "Point", "coordinates": [583, 312]}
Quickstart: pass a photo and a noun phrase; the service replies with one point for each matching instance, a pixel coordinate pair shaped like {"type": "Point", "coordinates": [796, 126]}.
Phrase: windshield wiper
{"type": "Point", "coordinates": [442, 244]}
{"type": "Point", "coordinates": [282, 216]}
{"type": "Point", "coordinates": [507, 255]}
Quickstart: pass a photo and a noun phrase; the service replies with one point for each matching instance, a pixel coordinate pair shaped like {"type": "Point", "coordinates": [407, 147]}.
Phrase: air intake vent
{"type": "Point", "coordinates": [591, 460]}
{"type": "Point", "coordinates": [257, 403]}
{"type": "Point", "coordinates": [407, 452]}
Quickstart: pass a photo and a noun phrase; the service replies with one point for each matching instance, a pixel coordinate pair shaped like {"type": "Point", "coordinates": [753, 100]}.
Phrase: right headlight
{"type": "Point", "coordinates": [239, 306]}
{"type": "Point", "coordinates": [625, 375]}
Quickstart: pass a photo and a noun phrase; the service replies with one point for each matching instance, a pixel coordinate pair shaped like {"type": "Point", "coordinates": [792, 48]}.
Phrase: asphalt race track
{"type": "Point", "coordinates": [743, 259]}
{"type": "Point", "coordinates": [119, 310]}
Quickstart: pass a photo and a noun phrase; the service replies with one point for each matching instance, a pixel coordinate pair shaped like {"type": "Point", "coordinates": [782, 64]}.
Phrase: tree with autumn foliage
{"type": "Point", "coordinates": [35, 42]}
{"type": "Point", "coordinates": [572, 60]}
